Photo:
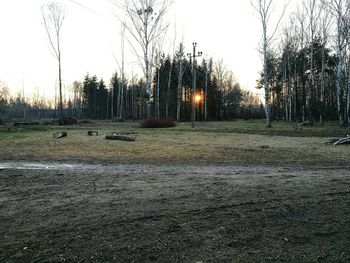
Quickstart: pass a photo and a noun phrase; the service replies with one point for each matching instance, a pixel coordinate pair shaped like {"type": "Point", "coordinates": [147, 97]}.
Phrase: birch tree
{"type": "Point", "coordinates": [347, 31]}
{"type": "Point", "coordinates": [169, 78]}
{"type": "Point", "coordinates": [145, 22]}
{"type": "Point", "coordinates": [340, 11]}
{"type": "Point", "coordinates": [53, 15]}
{"type": "Point", "coordinates": [122, 73]}
{"type": "Point", "coordinates": [312, 14]}
{"type": "Point", "coordinates": [325, 24]}
{"type": "Point", "coordinates": [221, 73]}
{"type": "Point", "coordinates": [286, 50]}
{"type": "Point", "coordinates": [264, 10]}
{"type": "Point", "coordinates": [301, 18]}
{"type": "Point", "coordinates": [157, 64]}
{"type": "Point", "coordinates": [180, 58]}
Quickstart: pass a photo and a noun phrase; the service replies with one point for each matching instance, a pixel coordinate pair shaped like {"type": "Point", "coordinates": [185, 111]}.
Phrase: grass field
{"type": "Point", "coordinates": [222, 192]}
{"type": "Point", "coordinates": [236, 143]}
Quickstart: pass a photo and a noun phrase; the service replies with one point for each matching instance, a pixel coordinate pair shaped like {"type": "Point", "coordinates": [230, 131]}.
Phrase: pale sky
{"type": "Point", "coordinates": [224, 29]}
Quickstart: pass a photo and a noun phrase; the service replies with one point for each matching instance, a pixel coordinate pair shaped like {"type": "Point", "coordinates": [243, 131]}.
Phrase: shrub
{"type": "Point", "coordinates": [154, 123]}
{"type": "Point", "coordinates": [70, 121]}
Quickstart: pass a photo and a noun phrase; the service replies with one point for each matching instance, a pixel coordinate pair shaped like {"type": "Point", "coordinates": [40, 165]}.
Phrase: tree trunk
{"type": "Point", "coordinates": [322, 86]}
{"type": "Point", "coordinates": [112, 103]}
{"type": "Point", "coordinates": [338, 86]}
{"type": "Point", "coordinates": [168, 91]}
{"type": "Point", "coordinates": [108, 95]}
{"type": "Point", "coordinates": [266, 82]}
{"type": "Point", "coordinates": [157, 95]}
{"type": "Point", "coordinates": [348, 99]}
{"type": "Point", "coordinates": [179, 87]}
{"type": "Point", "coordinates": [205, 96]}
{"type": "Point", "coordinates": [148, 83]}
{"type": "Point", "coordinates": [121, 100]}
{"type": "Point", "coordinates": [60, 88]}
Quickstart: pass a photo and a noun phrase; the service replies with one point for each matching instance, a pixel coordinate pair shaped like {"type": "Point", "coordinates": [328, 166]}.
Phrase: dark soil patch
{"type": "Point", "coordinates": [141, 213]}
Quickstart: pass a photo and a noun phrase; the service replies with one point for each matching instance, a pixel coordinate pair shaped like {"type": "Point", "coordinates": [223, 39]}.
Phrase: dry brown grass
{"type": "Point", "coordinates": [177, 145]}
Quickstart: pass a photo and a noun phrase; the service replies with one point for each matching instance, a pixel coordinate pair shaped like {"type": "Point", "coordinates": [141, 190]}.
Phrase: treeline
{"type": "Point", "coordinates": [309, 72]}
{"type": "Point", "coordinates": [219, 95]}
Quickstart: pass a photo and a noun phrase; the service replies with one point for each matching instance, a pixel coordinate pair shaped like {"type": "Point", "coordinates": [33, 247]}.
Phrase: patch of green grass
{"type": "Point", "coordinates": [208, 143]}
{"type": "Point", "coordinates": [279, 129]}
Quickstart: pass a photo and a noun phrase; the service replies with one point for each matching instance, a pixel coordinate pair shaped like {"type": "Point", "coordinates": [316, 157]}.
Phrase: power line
{"type": "Point", "coordinates": [119, 5]}
{"type": "Point", "coordinates": [89, 9]}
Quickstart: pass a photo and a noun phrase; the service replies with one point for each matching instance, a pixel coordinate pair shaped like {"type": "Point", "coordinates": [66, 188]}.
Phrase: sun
{"type": "Point", "coordinates": [198, 98]}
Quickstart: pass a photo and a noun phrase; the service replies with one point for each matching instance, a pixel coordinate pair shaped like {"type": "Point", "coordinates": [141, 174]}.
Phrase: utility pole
{"type": "Point", "coordinates": [206, 95]}
{"type": "Point", "coordinates": [193, 57]}
{"type": "Point", "coordinates": [24, 104]}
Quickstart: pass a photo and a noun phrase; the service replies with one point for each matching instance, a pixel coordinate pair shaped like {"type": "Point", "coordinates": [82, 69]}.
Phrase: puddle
{"type": "Point", "coordinates": [47, 166]}
{"type": "Point", "coordinates": [130, 168]}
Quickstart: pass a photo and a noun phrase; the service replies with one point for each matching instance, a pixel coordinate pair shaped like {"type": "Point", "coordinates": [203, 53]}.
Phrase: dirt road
{"type": "Point", "coordinates": [140, 213]}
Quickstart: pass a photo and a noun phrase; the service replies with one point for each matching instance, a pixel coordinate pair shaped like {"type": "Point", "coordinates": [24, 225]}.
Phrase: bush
{"type": "Point", "coordinates": [154, 123]}
{"type": "Point", "coordinates": [70, 121]}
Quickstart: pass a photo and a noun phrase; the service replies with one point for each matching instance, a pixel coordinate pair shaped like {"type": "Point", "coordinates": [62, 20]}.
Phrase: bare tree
{"type": "Point", "coordinates": [325, 24]}
{"type": "Point", "coordinates": [4, 91]}
{"type": "Point", "coordinates": [180, 58]}
{"type": "Point", "coordinates": [206, 93]}
{"type": "Point", "coordinates": [53, 17]}
{"type": "Point", "coordinates": [313, 14]}
{"type": "Point", "coordinates": [77, 89]}
{"type": "Point", "coordinates": [340, 11]}
{"type": "Point", "coordinates": [169, 77]}
{"type": "Point", "coordinates": [301, 17]}
{"type": "Point", "coordinates": [145, 21]}
{"type": "Point", "coordinates": [347, 31]}
{"type": "Point", "coordinates": [221, 73]}
{"type": "Point", "coordinates": [264, 9]}
{"type": "Point", "coordinates": [157, 64]}
{"type": "Point", "coordinates": [286, 45]}
{"type": "Point", "coordinates": [122, 72]}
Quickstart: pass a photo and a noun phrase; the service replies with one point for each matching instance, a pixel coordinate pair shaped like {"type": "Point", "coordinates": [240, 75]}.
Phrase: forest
{"type": "Point", "coordinates": [220, 96]}
{"type": "Point", "coordinates": [306, 72]}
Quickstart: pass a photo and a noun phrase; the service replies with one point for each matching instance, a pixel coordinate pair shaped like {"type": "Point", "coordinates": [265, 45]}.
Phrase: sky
{"type": "Point", "coordinates": [223, 29]}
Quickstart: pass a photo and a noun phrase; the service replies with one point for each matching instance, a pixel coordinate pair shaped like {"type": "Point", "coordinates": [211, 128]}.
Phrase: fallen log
{"type": "Point", "coordinates": [115, 137]}
{"type": "Point", "coordinates": [92, 133]}
{"type": "Point", "coordinates": [306, 123]}
{"type": "Point", "coordinates": [59, 135]}
{"type": "Point", "coordinates": [340, 141]}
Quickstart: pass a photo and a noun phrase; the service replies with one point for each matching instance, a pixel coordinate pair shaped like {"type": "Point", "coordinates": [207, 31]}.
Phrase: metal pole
{"type": "Point", "coordinates": [206, 95]}
{"type": "Point", "coordinates": [193, 58]}
{"type": "Point", "coordinates": [194, 86]}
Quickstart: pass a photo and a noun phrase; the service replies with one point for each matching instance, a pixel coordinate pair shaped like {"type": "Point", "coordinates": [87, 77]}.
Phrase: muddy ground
{"type": "Point", "coordinates": [143, 213]}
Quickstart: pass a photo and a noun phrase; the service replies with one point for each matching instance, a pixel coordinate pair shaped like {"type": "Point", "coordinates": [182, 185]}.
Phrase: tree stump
{"type": "Point", "coordinates": [59, 135]}
{"type": "Point", "coordinates": [92, 133]}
